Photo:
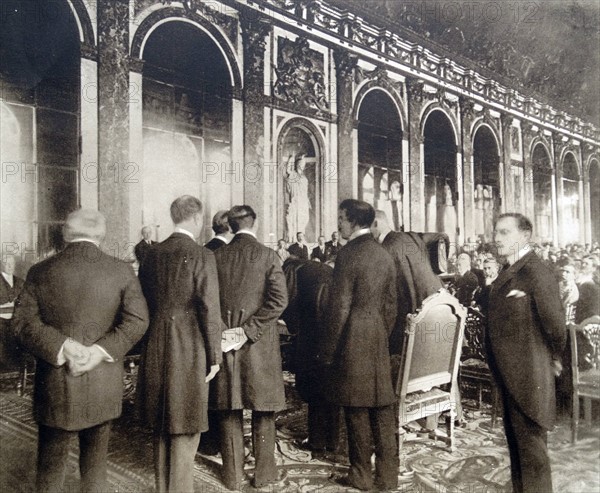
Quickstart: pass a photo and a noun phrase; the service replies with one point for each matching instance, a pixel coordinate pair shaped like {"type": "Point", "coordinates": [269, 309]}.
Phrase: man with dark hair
{"type": "Point", "coordinates": [182, 350]}
{"type": "Point", "coordinates": [79, 313]}
{"type": "Point", "coordinates": [526, 336]}
{"type": "Point", "coordinates": [253, 296]}
{"type": "Point", "coordinates": [299, 249]}
{"type": "Point", "coordinates": [332, 246]}
{"type": "Point", "coordinates": [415, 279]}
{"type": "Point", "coordinates": [318, 252]}
{"type": "Point", "coordinates": [588, 304]}
{"type": "Point", "coordinates": [354, 348]}
{"type": "Point", "coordinates": [223, 234]}
{"type": "Point", "coordinates": [144, 245]}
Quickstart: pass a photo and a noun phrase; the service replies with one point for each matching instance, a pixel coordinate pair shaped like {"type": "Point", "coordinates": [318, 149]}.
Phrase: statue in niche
{"type": "Point", "coordinates": [514, 139]}
{"type": "Point", "coordinates": [447, 214]}
{"type": "Point", "coordinates": [298, 204]}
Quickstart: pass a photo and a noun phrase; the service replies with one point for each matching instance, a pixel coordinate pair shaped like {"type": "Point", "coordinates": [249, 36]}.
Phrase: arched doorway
{"type": "Point", "coordinates": [542, 194]}
{"type": "Point", "coordinates": [440, 175]}
{"type": "Point", "coordinates": [301, 191]}
{"type": "Point", "coordinates": [486, 168]}
{"type": "Point", "coordinates": [187, 105]}
{"type": "Point", "coordinates": [570, 199]}
{"type": "Point", "coordinates": [595, 199]}
{"type": "Point", "coordinates": [39, 131]}
{"type": "Point", "coordinates": [380, 155]}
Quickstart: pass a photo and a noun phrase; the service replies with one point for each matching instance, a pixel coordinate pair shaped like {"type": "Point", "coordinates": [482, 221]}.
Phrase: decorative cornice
{"type": "Point", "coordinates": [355, 32]}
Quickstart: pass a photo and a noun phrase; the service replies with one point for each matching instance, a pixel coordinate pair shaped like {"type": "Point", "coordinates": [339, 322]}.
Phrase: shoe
{"type": "Point", "coordinates": [346, 482]}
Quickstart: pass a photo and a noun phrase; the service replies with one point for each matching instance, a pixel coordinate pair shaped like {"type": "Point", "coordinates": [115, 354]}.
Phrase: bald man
{"type": "Point", "coordinates": [141, 249]}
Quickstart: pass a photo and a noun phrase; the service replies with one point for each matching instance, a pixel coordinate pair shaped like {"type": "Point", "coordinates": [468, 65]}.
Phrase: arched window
{"type": "Point", "coordinates": [486, 164]}
{"type": "Point", "coordinates": [542, 193]}
{"type": "Point", "coordinates": [570, 199]}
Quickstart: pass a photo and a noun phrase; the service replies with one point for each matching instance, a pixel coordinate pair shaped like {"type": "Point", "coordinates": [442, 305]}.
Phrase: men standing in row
{"type": "Point", "coordinates": [415, 279]}
{"type": "Point", "coordinates": [141, 249]}
{"type": "Point", "coordinates": [253, 296]}
{"type": "Point", "coordinates": [79, 313]}
{"type": "Point", "coordinates": [525, 338]}
{"type": "Point", "coordinates": [223, 234]}
{"type": "Point", "coordinates": [354, 349]}
{"type": "Point", "coordinates": [182, 351]}
{"type": "Point", "coordinates": [299, 249]}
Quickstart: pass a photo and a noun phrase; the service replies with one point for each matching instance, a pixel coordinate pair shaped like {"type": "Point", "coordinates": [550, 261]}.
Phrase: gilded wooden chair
{"type": "Point", "coordinates": [430, 359]}
{"type": "Point", "coordinates": [585, 369]}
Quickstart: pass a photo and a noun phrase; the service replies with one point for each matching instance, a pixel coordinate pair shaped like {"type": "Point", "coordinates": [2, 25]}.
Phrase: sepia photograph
{"type": "Point", "coordinates": [300, 246]}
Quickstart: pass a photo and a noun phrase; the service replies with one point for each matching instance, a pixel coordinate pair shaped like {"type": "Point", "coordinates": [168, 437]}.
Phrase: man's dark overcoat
{"type": "Point", "coordinates": [179, 279]}
{"type": "Point", "coordinates": [415, 279]}
{"type": "Point", "coordinates": [362, 313]}
{"type": "Point", "coordinates": [525, 333]}
{"type": "Point", "coordinates": [251, 278]}
{"type": "Point", "coordinates": [94, 298]}
{"type": "Point", "coordinates": [313, 282]}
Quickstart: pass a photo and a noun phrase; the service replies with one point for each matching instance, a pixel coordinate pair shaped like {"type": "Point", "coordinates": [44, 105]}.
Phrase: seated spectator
{"type": "Point", "coordinates": [319, 253]}
{"type": "Point", "coordinates": [569, 293]}
{"type": "Point", "coordinates": [588, 304]}
{"type": "Point", "coordinates": [491, 268]}
{"type": "Point", "coordinates": [465, 280]}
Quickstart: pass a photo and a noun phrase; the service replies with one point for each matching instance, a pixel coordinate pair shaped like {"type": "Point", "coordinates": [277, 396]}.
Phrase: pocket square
{"type": "Point", "coordinates": [516, 293]}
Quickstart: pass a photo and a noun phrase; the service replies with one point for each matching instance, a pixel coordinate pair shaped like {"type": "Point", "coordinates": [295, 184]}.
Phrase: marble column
{"type": "Point", "coordinates": [115, 170]}
{"type": "Point", "coordinates": [88, 182]}
{"type": "Point", "coordinates": [255, 33]}
{"type": "Point", "coordinates": [528, 197]}
{"type": "Point", "coordinates": [508, 194]}
{"type": "Point", "coordinates": [136, 153]}
{"type": "Point", "coordinates": [559, 197]}
{"type": "Point", "coordinates": [347, 155]}
{"type": "Point", "coordinates": [416, 155]}
{"type": "Point", "coordinates": [467, 171]}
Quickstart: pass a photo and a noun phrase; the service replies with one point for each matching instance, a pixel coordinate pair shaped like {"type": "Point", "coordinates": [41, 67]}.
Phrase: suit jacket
{"type": "Point", "coordinates": [215, 244]}
{"type": "Point", "coordinates": [313, 283]}
{"type": "Point", "coordinates": [362, 313]}
{"type": "Point", "coordinates": [588, 304]}
{"type": "Point", "coordinates": [291, 314]}
{"type": "Point", "coordinates": [332, 250]}
{"type": "Point", "coordinates": [317, 253]}
{"type": "Point", "coordinates": [415, 279]}
{"type": "Point", "coordinates": [250, 278]}
{"type": "Point", "coordinates": [141, 249]}
{"type": "Point", "coordinates": [465, 286]}
{"type": "Point", "coordinates": [525, 334]}
{"type": "Point", "coordinates": [96, 299]}
{"type": "Point", "coordinates": [9, 293]}
{"type": "Point", "coordinates": [180, 282]}
{"type": "Point", "coordinates": [300, 251]}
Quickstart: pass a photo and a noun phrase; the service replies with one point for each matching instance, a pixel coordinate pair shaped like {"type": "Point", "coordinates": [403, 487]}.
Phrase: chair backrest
{"type": "Point", "coordinates": [585, 344]}
{"type": "Point", "coordinates": [432, 345]}
{"type": "Point", "coordinates": [474, 336]}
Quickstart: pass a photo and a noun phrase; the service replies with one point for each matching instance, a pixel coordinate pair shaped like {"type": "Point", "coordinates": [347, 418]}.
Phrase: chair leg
{"type": "Point", "coordinates": [450, 430]}
{"type": "Point", "coordinates": [495, 403]}
{"type": "Point", "coordinates": [574, 418]}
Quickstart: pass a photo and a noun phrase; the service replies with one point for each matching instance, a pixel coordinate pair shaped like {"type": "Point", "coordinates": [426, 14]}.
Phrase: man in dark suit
{"type": "Point", "coordinates": [354, 348]}
{"type": "Point", "coordinates": [10, 287]}
{"type": "Point", "coordinates": [79, 313]}
{"type": "Point", "coordinates": [299, 249]}
{"type": "Point", "coordinates": [209, 445]}
{"type": "Point", "coordinates": [465, 280]}
{"type": "Point", "coordinates": [415, 279]}
{"type": "Point", "coordinates": [141, 249]}
{"type": "Point", "coordinates": [525, 338]}
{"type": "Point", "coordinates": [588, 304]}
{"type": "Point", "coordinates": [182, 350]}
{"type": "Point", "coordinates": [332, 247]}
{"type": "Point", "coordinates": [318, 252]}
{"type": "Point", "coordinates": [223, 233]}
{"type": "Point", "coordinates": [253, 296]}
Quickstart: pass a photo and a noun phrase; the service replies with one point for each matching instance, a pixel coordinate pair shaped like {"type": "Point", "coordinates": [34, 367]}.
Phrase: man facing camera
{"type": "Point", "coordinates": [182, 350]}
{"type": "Point", "coordinates": [141, 249]}
{"type": "Point", "coordinates": [79, 313]}
{"type": "Point", "coordinates": [526, 336]}
{"type": "Point", "coordinates": [355, 351]}
{"type": "Point", "coordinates": [253, 296]}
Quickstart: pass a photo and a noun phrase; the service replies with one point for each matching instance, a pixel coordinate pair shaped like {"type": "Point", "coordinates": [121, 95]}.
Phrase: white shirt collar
{"type": "Point", "coordinates": [383, 236]}
{"type": "Point", "coordinates": [10, 279]}
{"type": "Point", "coordinates": [185, 232]}
{"type": "Point", "coordinates": [359, 232]}
{"type": "Point", "coordinates": [222, 238]}
{"type": "Point", "coordinates": [246, 231]}
{"type": "Point", "coordinates": [519, 255]}
{"type": "Point", "coordinates": [89, 240]}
